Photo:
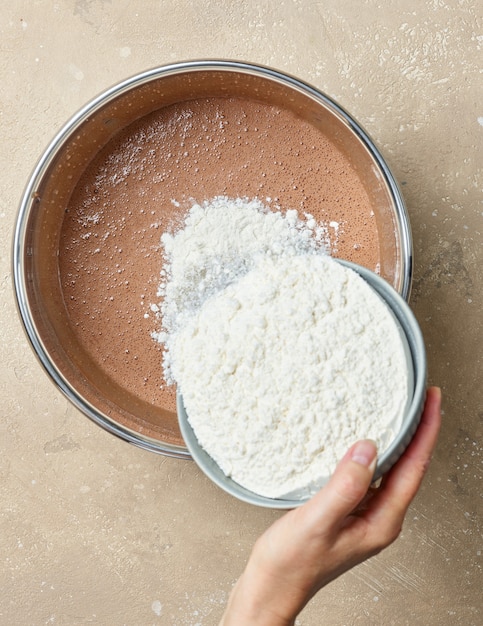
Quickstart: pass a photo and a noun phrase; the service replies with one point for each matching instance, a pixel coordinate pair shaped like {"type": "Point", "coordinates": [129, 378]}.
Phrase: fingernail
{"type": "Point", "coordinates": [365, 453]}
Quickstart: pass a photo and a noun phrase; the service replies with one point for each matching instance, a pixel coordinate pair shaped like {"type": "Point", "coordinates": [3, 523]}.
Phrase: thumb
{"type": "Point", "coordinates": [346, 488]}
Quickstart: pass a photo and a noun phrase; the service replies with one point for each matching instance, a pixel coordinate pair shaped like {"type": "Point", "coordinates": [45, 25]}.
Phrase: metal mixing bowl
{"type": "Point", "coordinates": [36, 241]}
{"type": "Point", "coordinates": [417, 372]}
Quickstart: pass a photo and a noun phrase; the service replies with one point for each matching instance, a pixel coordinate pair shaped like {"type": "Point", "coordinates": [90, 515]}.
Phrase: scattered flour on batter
{"type": "Point", "coordinates": [221, 241]}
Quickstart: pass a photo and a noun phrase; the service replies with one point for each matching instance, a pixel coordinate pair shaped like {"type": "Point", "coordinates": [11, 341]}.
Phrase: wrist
{"type": "Point", "coordinates": [251, 605]}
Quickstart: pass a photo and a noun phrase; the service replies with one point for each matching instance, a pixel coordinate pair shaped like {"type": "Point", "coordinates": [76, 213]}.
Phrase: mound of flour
{"type": "Point", "coordinates": [283, 356]}
{"type": "Point", "coordinates": [220, 241]}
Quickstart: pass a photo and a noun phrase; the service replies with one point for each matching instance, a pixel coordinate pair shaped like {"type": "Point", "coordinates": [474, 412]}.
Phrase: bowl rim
{"type": "Point", "coordinates": [28, 199]}
{"type": "Point", "coordinates": [412, 332]}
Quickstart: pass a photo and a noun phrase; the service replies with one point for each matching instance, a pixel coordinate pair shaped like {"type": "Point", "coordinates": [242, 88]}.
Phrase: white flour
{"type": "Point", "coordinates": [285, 359]}
{"type": "Point", "coordinates": [219, 242]}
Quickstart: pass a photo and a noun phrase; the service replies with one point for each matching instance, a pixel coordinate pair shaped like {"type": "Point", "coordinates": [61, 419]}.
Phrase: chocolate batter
{"type": "Point", "coordinates": [144, 181]}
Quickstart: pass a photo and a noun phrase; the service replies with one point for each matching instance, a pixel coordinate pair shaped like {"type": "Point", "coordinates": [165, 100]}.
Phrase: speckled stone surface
{"type": "Point", "coordinates": [95, 531]}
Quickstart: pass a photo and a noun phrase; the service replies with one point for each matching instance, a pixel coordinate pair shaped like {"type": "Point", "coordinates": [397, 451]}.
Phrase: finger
{"type": "Point", "coordinates": [401, 483]}
{"type": "Point", "coordinates": [347, 487]}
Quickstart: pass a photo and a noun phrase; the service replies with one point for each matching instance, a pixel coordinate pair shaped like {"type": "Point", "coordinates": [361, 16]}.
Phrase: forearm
{"type": "Point", "coordinates": [254, 602]}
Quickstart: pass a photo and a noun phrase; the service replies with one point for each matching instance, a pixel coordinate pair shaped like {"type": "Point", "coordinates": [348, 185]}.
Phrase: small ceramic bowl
{"type": "Point", "coordinates": [416, 359]}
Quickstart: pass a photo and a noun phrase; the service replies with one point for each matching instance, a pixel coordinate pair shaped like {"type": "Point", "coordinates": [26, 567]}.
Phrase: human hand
{"type": "Point", "coordinates": [341, 526]}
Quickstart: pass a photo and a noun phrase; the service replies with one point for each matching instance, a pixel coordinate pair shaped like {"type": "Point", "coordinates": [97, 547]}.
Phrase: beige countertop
{"type": "Point", "coordinates": [95, 531]}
